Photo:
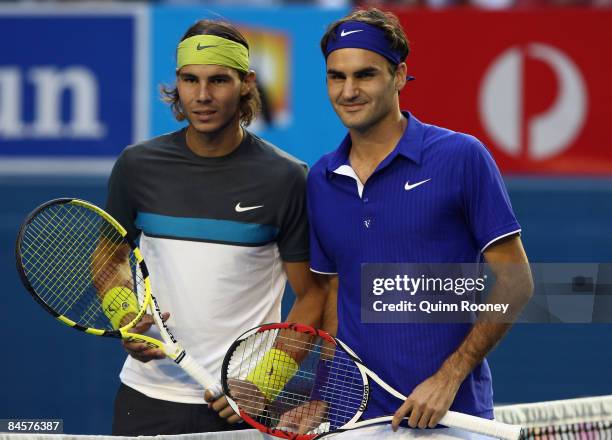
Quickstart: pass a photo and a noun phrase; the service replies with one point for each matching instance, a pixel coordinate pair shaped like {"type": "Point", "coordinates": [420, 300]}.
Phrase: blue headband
{"type": "Point", "coordinates": [356, 34]}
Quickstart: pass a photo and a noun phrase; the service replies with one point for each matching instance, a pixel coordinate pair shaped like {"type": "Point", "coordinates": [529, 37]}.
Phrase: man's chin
{"type": "Point", "coordinates": [211, 127]}
{"type": "Point", "coordinates": [354, 123]}
{"type": "Point", "coordinates": [205, 128]}
{"type": "Point", "coordinates": [353, 120]}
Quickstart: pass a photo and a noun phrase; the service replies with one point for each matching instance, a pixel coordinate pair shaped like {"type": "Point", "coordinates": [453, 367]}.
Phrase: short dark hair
{"type": "Point", "coordinates": [250, 104]}
{"type": "Point", "coordinates": [386, 21]}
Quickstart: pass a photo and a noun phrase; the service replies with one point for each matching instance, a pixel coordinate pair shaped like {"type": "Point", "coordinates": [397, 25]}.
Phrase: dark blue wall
{"type": "Point", "coordinates": [49, 370]}
{"type": "Point", "coordinates": [563, 221]}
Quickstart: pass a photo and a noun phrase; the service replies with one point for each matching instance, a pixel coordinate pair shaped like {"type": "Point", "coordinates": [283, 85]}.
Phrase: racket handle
{"type": "Point", "coordinates": [481, 426]}
{"type": "Point", "coordinates": [202, 376]}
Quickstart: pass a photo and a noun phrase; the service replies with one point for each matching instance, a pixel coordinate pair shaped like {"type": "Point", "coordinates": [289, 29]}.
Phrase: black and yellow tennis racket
{"type": "Point", "coordinates": [78, 263]}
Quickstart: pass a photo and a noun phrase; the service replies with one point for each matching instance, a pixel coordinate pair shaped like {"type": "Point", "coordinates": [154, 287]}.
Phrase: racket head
{"type": "Point", "coordinates": [70, 254]}
{"type": "Point", "coordinates": [277, 375]}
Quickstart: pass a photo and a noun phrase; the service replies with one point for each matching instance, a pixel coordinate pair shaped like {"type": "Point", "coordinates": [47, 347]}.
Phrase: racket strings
{"type": "Point", "coordinates": [246, 392]}
{"type": "Point", "coordinates": [313, 420]}
{"type": "Point", "coordinates": [272, 415]}
{"type": "Point", "coordinates": [77, 286]}
{"type": "Point", "coordinates": [300, 345]}
{"type": "Point", "coordinates": [340, 364]}
{"type": "Point", "coordinates": [58, 249]}
{"type": "Point", "coordinates": [309, 420]}
{"type": "Point", "coordinates": [67, 252]}
{"type": "Point", "coordinates": [337, 384]}
{"type": "Point", "coordinates": [57, 261]}
{"type": "Point", "coordinates": [116, 279]}
{"type": "Point", "coordinates": [324, 392]}
{"type": "Point", "coordinates": [52, 267]}
{"type": "Point", "coordinates": [106, 274]}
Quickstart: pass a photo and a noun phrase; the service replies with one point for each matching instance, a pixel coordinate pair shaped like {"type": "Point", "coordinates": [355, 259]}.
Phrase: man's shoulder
{"type": "Point", "coordinates": [277, 158]}
{"type": "Point", "coordinates": [434, 134]}
{"type": "Point", "coordinates": [156, 142]}
{"type": "Point", "coordinates": [135, 155]}
{"type": "Point", "coordinates": [450, 143]}
{"type": "Point", "coordinates": [319, 169]}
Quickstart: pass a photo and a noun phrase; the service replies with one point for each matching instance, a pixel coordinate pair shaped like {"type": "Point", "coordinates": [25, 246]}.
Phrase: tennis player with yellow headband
{"type": "Point", "coordinates": [221, 219]}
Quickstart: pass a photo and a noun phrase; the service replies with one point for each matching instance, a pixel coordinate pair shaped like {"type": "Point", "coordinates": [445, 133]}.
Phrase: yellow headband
{"type": "Point", "coordinates": [210, 49]}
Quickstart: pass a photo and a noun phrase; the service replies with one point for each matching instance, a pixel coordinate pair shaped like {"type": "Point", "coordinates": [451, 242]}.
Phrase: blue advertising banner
{"type": "Point", "coordinates": [71, 82]}
{"type": "Point", "coordinates": [284, 49]}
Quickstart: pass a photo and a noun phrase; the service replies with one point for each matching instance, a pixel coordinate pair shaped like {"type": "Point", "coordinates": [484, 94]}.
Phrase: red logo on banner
{"type": "Point", "coordinates": [504, 111]}
{"type": "Point", "coordinates": [537, 96]}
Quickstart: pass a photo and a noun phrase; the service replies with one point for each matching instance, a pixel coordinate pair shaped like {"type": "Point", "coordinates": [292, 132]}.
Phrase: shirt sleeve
{"type": "Point", "coordinates": [487, 204]}
{"type": "Point", "coordinates": [119, 201]}
{"type": "Point", "coordinates": [319, 259]}
{"type": "Point", "coordinates": [293, 234]}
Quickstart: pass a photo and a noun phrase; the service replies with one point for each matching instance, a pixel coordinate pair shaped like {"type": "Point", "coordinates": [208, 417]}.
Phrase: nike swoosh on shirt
{"type": "Point", "coordinates": [246, 208]}
{"type": "Point", "coordinates": [345, 33]}
{"type": "Point", "coordinates": [408, 186]}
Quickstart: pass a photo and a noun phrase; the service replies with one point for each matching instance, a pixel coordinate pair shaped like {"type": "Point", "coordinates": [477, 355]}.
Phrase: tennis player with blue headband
{"type": "Point", "coordinates": [397, 190]}
{"type": "Point", "coordinates": [357, 34]}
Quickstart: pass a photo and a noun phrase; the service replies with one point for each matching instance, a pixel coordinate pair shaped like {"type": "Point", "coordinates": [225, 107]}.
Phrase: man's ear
{"type": "Point", "coordinates": [248, 82]}
{"type": "Point", "coordinates": [400, 76]}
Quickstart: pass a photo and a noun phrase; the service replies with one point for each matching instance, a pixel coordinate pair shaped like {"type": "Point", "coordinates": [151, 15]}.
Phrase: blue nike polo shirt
{"type": "Point", "coordinates": [437, 198]}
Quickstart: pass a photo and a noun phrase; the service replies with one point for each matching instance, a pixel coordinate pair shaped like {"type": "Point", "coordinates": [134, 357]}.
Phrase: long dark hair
{"type": "Point", "coordinates": [250, 104]}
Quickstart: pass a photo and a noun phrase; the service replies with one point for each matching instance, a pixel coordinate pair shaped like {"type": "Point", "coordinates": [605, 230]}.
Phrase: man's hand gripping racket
{"type": "Point", "coordinates": [293, 381]}
{"type": "Point", "coordinates": [78, 263]}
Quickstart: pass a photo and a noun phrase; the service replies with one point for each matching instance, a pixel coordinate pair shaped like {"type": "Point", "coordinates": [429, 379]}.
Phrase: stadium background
{"type": "Point", "coordinates": [79, 82]}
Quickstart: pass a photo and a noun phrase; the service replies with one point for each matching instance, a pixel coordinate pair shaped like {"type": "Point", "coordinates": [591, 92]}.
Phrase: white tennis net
{"type": "Point", "coordinates": [574, 419]}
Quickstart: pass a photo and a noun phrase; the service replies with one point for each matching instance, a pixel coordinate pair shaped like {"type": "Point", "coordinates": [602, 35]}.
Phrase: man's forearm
{"type": "Point", "coordinates": [310, 293]}
{"type": "Point", "coordinates": [514, 286]}
{"type": "Point", "coordinates": [480, 340]}
{"type": "Point", "coordinates": [330, 314]}
{"type": "Point", "coordinates": [308, 307]}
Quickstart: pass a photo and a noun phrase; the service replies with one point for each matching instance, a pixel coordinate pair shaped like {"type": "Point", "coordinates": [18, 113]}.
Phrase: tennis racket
{"type": "Point", "coordinates": [295, 382]}
{"type": "Point", "coordinates": [78, 263]}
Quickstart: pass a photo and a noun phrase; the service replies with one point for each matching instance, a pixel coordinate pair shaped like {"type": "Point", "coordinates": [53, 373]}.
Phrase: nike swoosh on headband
{"type": "Point", "coordinates": [344, 33]}
{"type": "Point", "coordinates": [200, 47]}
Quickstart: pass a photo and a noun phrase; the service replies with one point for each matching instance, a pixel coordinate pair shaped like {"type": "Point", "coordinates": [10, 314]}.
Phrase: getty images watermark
{"type": "Point", "coordinates": [459, 293]}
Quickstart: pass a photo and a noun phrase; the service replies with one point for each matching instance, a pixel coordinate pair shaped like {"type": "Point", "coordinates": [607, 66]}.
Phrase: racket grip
{"type": "Point", "coordinates": [202, 376]}
{"type": "Point", "coordinates": [481, 426]}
